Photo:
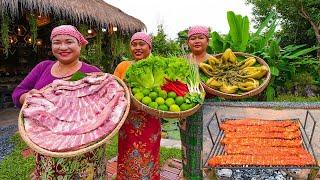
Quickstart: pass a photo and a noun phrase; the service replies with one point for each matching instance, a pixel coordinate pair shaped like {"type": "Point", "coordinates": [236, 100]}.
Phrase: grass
{"type": "Point", "coordinates": [292, 98]}
{"type": "Point", "coordinates": [15, 166]}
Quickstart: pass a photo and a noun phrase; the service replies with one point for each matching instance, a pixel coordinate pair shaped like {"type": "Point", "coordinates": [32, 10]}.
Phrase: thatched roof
{"type": "Point", "coordinates": [95, 12]}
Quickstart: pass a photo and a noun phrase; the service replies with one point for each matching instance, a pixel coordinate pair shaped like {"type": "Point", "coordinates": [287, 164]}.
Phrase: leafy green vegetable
{"type": "Point", "coordinates": [151, 72]}
{"type": "Point", "coordinates": [77, 76]}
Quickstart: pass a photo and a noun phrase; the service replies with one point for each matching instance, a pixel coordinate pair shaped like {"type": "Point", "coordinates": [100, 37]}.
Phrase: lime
{"type": "Point", "coordinates": [169, 101]}
{"type": "Point", "coordinates": [174, 108]}
{"type": "Point", "coordinates": [172, 94]}
{"type": "Point", "coordinates": [160, 100]}
{"type": "Point", "coordinates": [192, 105]}
{"type": "Point", "coordinates": [163, 107]}
{"type": "Point", "coordinates": [184, 107]}
{"type": "Point", "coordinates": [146, 100]}
{"type": "Point", "coordinates": [135, 90]}
{"type": "Point", "coordinates": [153, 105]}
{"type": "Point", "coordinates": [153, 95]}
{"type": "Point", "coordinates": [163, 94]}
{"type": "Point", "coordinates": [139, 96]}
{"type": "Point", "coordinates": [157, 89]}
{"type": "Point", "coordinates": [179, 100]}
{"type": "Point", "coordinates": [145, 91]}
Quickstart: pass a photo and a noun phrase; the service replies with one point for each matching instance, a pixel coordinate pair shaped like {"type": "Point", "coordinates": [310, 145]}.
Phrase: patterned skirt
{"type": "Point", "coordinates": [90, 165]}
{"type": "Point", "coordinates": [139, 147]}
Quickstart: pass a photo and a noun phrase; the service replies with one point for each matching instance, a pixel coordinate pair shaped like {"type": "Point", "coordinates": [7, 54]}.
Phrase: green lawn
{"type": "Point", "coordinates": [292, 98]}
{"type": "Point", "coordinates": [15, 166]}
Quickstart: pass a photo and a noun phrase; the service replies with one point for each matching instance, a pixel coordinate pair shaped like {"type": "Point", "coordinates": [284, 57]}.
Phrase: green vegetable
{"type": "Point", "coordinates": [151, 72]}
{"type": "Point", "coordinates": [193, 83]}
{"type": "Point", "coordinates": [77, 76]}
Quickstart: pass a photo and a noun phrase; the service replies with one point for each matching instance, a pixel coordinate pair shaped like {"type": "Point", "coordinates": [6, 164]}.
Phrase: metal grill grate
{"type": "Point", "coordinates": [218, 148]}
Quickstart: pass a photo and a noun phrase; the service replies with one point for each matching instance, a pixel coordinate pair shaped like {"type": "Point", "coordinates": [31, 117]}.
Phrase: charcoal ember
{"type": "Point", "coordinates": [224, 172]}
{"type": "Point", "coordinates": [280, 177]}
{"type": "Point", "coordinates": [257, 174]}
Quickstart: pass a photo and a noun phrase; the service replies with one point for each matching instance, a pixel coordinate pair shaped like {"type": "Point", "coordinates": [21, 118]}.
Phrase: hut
{"type": "Point", "coordinates": [25, 30]}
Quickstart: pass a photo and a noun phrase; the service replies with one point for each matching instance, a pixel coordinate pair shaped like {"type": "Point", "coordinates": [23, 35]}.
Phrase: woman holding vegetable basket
{"type": "Point", "coordinates": [191, 128]}
{"type": "Point", "coordinates": [139, 137]}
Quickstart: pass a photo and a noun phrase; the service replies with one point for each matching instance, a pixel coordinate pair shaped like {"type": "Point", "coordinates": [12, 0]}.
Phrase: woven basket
{"type": "Point", "coordinates": [83, 149]}
{"type": "Point", "coordinates": [165, 114]}
{"type": "Point", "coordinates": [266, 80]}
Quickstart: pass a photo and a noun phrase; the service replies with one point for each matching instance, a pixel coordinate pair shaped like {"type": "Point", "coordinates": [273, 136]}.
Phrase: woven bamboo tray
{"type": "Point", "coordinates": [266, 80]}
{"type": "Point", "coordinates": [165, 114]}
{"type": "Point", "coordinates": [83, 149]}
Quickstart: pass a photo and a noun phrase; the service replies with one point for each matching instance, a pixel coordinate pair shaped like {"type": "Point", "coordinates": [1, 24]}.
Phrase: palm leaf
{"type": "Point", "coordinates": [302, 52]}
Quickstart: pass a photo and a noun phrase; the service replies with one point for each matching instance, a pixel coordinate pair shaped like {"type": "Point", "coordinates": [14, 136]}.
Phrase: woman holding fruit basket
{"type": "Point", "coordinates": [139, 137]}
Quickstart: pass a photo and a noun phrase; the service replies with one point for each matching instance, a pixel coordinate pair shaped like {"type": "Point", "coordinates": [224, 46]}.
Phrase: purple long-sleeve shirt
{"type": "Point", "coordinates": [41, 76]}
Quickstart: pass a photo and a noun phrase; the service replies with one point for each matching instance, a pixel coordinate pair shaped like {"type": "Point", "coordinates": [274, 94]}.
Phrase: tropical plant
{"type": "Point", "coordinates": [161, 46]}
{"type": "Point", "coordinates": [33, 29]}
{"type": "Point", "coordinates": [300, 19]}
{"type": "Point", "coordinates": [239, 37]}
{"type": "Point", "coordinates": [5, 33]}
{"type": "Point", "coordinates": [288, 63]}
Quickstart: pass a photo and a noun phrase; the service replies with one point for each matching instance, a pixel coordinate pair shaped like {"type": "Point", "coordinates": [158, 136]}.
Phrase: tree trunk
{"type": "Point", "coordinates": [315, 27]}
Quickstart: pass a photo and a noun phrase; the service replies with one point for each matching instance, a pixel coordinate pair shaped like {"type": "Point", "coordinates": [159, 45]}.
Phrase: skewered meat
{"type": "Point", "coordinates": [266, 160]}
{"type": "Point", "coordinates": [257, 142]}
{"type": "Point", "coordinates": [259, 122]}
{"type": "Point", "coordinates": [259, 150]}
{"type": "Point", "coordinates": [267, 135]}
{"type": "Point", "coordinates": [265, 128]}
{"type": "Point", "coordinates": [262, 142]}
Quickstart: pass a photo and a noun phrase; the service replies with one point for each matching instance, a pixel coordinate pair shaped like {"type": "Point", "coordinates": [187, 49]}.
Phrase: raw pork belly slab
{"type": "Point", "coordinates": [70, 114]}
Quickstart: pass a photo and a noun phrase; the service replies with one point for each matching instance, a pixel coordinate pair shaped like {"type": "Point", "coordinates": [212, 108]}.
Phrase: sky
{"type": "Point", "coordinates": [177, 15]}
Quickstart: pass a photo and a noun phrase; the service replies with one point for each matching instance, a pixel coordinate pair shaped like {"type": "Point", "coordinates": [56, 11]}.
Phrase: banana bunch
{"type": "Point", "coordinates": [231, 76]}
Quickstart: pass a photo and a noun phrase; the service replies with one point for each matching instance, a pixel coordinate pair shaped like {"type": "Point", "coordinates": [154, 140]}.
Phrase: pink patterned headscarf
{"type": "Point", "coordinates": [198, 30]}
{"type": "Point", "coordinates": [142, 36]}
{"type": "Point", "coordinates": [69, 30]}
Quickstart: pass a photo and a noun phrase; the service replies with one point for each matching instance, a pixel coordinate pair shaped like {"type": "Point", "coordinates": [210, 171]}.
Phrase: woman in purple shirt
{"type": "Point", "coordinates": [66, 45]}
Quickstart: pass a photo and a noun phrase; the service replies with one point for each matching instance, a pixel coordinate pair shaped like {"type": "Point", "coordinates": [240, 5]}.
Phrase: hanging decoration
{"type": "Point", "coordinates": [5, 33]}
{"type": "Point", "coordinates": [20, 30]}
{"type": "Point", "coordinates": [13, 39]}
{"type": "Point", "coordinates": [28, 39]}
{"type": "Point", "coordinates": [42, 20]}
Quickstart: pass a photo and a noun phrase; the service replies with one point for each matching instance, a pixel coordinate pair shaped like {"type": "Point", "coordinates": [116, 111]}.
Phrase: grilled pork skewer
{"type": "Point", "coordinates": [254, 150]}
{"type": "Point", "coordinates": [259, 122]}
{"type": "Point", "coordinates": [264, 128]}
{"type": "Point", "coordinates": [266, 135]}
{"type": "Point", "coordinates": [272, 160]}
{"type": "Point", "coordinates": [262, 142]}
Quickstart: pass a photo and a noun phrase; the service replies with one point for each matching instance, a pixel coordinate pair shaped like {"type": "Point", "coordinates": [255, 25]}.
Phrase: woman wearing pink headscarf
{"type": "Point", "coordinates": [66, 45]}
{"type": "Point", "coordinates": [139, 137]}
{"type": "Point", "coordinates": [191, 129]}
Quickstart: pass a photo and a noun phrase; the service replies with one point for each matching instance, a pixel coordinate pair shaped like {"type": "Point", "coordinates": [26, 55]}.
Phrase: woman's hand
{"type": "Point", "coordinates": [25, 95]}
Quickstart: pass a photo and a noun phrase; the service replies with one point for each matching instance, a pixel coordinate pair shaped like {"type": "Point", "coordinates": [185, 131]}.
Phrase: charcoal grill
{"type": "Point", "coordinates": [218, 148]}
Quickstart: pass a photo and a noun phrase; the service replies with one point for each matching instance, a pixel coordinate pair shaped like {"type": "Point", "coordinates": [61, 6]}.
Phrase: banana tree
{"type": "Point", "coordinates": [239, 37]}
